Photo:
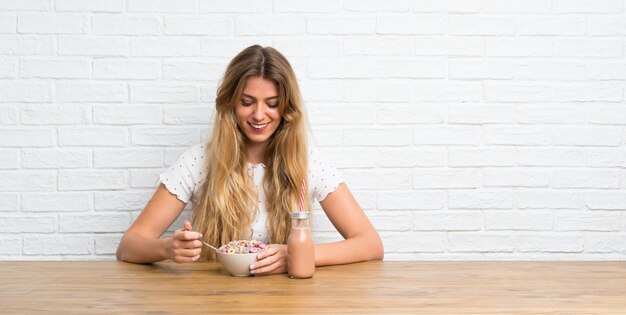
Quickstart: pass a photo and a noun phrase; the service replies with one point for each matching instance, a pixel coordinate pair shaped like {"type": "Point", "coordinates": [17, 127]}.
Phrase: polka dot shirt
{"type": "Point", "coordinates": [186, 175]}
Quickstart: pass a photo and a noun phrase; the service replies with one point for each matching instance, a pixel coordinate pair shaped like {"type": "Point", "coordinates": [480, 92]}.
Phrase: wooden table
{"type": "Point", "coordinates": [372, 287]}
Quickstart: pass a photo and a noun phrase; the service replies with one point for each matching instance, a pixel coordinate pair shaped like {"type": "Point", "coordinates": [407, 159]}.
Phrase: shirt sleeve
{"type": "Point", "coordinates": [184, 177]}
{"type": "Point", "coordinates": [324, 178]}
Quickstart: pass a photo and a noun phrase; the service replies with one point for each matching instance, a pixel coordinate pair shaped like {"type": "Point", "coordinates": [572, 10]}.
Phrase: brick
{"type": "Point", "coordinates": [486, 156]}
{"type": "Point", "coordinates": [55, 114]}
{"type": "Point", "coordinates": [91, 91]}
{"type": "Point", "coordinates": [409, 157]}
{"type": "Point", "coordinates": [295, 47]}
{"type": "Point", "coordinates": [483, 242]}
{"type": "Point", "coordinates": [55, 158]}
{"type": "Point", "coordinates": [513, 6]}
{"type": "Point", "coordinates": [381, 46]}
{"type": "Point", "coordinates": [411, 25]}
{"type": "Point", "coordinates": [125, 158]}
{"type": "Point", "coordinates": [550, 71]}
{"type": "Point", "coordinates": [10, 245]}
{"type": "Point", "coordinates": [550, 243]}
{"type": "Point", "coordinates": [93, 45]}
{"type": "Point", "coordinates": [448, 135]}
{"type": "Point", "coordinates": [518, 47]}
{"type": "Point", "coordinates": [58, 245]}
{"type": "Point", "coordinates": [56, 202]}
{"type": "Point", "coordinates": [107, 244]}
{"type": "Point", "coordinates": [31, 5]}
{"type": "Point", "coordinates": [467, 113]}
{"type": "Point", "coordinates": [26, 137]}
{"type": "Point", "coordinates": [123, 25]}
{"type": "Point", "coordinates": [372, 90]}
{"type": "Point", "coordinates": [145, 178]}
{"type": "Point", "coordinates": [242, 6]}
{"type": "Point", "coordinates": [58, 23]}
{"type": "Point", "coordinates": [527, 220]}
{"type": "Point", "coordinates": [164, 93]}
{"type": "Point", "coordinates": [30, 224]}
{"type": "Point", "coordinates": [390, 222]}
{"type": "Point", "coordinates": [209, 26]}
{"type": "Point", "coordinates": [606, 26]}
{"type": "Point", "coordinates": [599, 157]}
{"type": "Point", "coordinates": [418, 69]}
{"type": "Point", "coordinates": [586, 221]}
{"type": "Point", "coordinates": [566, 47]}
{"type": "Point", "coordinates": [9, 202]}
{"type": "Point", "coordinates": [375, 179]}
{"type": "Point", "coordinates": [585, 178]}
{"type": "Point", "coordinates": [9, 159]}
{"type": "Point", "coordinates": [588, 136]}
{"type": "Point", "coordinates": [550, 25]}
{"type": "Point", "coordinates": [304, 6]}
{"type": "Point", "coordinates": [126, 69]}
{"type": "Point", "coordinates": [447, 178]}
{"type": "Point", "coordinates": [26, 45]}
{"type": "Point", "coordinates": [8, 68]}
{"type": "Point", "coordinates": [133, 200]}
{"type": "Point", "coordinates": [165, 47]}
{"type": "Point", "coordinates": [165, 6]}
{"type": "Point", "coordinates": [187, 115]}
{"type": "Point", "coordinates": [447, 6]}
{"type": "Point", "coordinates": [341, 68]}
{"type": "Point", "coordinates": [94, 223]}
{"type": "Point", "coordinates": [607, 71]}
{"type": "Point", "coordinates": [449, 46]}
{"type": "Point", "coordinates": [90, 6]}
{"type": "Point", "coordinates": [449, 91]}
{"type": "Point", "coordinates": [346, 114]}
{"type": "Point", "coordinates": [92, 180]}
{"type": "Point", "coordinates": [411, 200]}
{"type": "Point", "coordinates": [327, 137]}
{"type": "Point", "coordinates": [480, 25]}
{"type": "Point", "coordinates": [549, 199]}
{"type": "Point", "coordinates": [551, 114]}
{"type": "Point", "coordinates": [551, 156]}
{"type": "Point", "coordinates": [605, 200]}
{"type": "Point", "coordinates": [8, 115]}
{"type": "Point", "coordinates": [25, 91]}
{"type": "Point", "coordinates": [589, 93]}
{"type": "Point", "coordinates": [376, 137]}
{"type": "Point", "coordinates": [518, 93]}
{"type": "Point", "coordinates": [321, 91]}
{"type": "Point", "coordinates": [8, 24]}
{"type": "Point", "coordinates": [375, 6]}
{"type": "Point", "coordinates": [352, 158]}
{"type": "Point", "coordinates": [480, 69]}
{"type": "Point", "coordinates": [58, 69]}
{"type": "Point", "coordinates": [125, 115]}
{"type": "Point", "coordinates": [604, 243]}
{"type": "Point", "coordinates": [448, 221]}
{"type": "Point", "coordinates": [587, 6]}
{"type": "Point", "coordinates": [481, 199]}
{"type": "Point", "coordinates": [93, 136]}
{"type": "Point", "coordinates": [165, 137]}
{"type": "Point", "coordinates": [415, 242]}
{"type": "Point", "coordinates": [516, 177]}
{"type": "Point", "coordinates": [191, 70]}
{"type": "Point", "coordinates": [270, 25]}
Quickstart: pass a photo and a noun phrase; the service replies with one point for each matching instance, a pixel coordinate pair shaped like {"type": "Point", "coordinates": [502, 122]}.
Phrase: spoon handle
{"type": "Point", "coordinates": [207, 244]}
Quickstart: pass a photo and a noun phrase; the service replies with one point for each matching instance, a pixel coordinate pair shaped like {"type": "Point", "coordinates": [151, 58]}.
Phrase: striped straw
{"type": "Point", "coordinates": [302, 192]}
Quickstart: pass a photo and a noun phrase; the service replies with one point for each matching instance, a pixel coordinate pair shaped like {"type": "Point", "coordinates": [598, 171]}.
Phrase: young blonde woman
{"type": "Point", "coordinates": [246, 180]}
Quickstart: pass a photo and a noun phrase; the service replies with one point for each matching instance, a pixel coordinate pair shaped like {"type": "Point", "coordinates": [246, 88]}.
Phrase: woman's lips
{"type": "Point", "coordinates": [258, 128]}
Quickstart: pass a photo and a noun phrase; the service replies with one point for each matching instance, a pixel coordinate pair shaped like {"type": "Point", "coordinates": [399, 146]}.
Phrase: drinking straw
{"type": "Point", "coordinates": [302, 192]}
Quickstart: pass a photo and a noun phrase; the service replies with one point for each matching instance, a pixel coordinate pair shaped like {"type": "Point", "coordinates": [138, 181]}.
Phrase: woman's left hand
{"type": "Point", "coordinates": [271, 260]}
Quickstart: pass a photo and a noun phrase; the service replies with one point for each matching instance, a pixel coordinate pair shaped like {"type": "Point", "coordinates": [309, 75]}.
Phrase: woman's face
{"type": "Point", "coordinates": [257, 111]}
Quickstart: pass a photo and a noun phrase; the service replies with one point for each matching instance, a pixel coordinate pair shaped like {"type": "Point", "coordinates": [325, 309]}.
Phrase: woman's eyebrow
{"type": "Point", "coordinates": [254, 98]}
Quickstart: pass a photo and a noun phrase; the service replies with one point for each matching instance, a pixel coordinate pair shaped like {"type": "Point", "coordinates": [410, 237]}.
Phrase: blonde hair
{"type": "Point", "coordinates": [228, 199]}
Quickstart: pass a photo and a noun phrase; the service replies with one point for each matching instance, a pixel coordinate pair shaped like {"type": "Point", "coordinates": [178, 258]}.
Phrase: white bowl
{"type": "Point", "coordinates": [237, 264]}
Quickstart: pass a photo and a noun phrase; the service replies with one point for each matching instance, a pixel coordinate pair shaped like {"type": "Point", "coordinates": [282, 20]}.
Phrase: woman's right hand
{"type": "Point", "coordinates": [184, 246]}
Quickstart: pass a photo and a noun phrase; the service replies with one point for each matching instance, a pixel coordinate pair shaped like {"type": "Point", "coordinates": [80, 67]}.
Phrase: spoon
{"type": "Point", "coordinates": [207, 244]}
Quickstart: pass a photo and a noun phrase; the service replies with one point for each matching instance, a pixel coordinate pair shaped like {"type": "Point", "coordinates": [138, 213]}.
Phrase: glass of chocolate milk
{"type": "Point", "coordinates": [300, 249]}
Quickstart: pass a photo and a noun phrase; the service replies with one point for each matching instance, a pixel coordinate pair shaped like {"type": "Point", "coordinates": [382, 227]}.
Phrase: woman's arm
{"type": "Point", "coordinates": [361, 243]}
{"type": "Point", "coordinates": [142, 242]}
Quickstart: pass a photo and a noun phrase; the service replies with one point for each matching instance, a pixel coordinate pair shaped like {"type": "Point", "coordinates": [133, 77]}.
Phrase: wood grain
{"type": "Point", "coordinates": [363, 288]}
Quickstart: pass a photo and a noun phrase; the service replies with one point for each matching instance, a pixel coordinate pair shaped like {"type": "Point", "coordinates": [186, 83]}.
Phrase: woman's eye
{"type": "Point", "coordinates": [244, 103]}
{"type": "Point", "coordinates": [272, 105]}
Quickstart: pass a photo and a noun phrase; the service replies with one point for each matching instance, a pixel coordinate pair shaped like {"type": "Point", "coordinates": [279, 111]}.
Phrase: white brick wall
{"type": "Point", "coordinates": [480, 129]}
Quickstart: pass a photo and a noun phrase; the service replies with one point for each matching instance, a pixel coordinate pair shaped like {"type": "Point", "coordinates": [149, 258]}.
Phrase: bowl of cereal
{"type": "Point", "coordinates": [237, 256]}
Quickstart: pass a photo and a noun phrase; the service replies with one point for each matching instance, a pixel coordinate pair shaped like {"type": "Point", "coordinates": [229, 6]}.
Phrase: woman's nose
{"type": "Point", "coordinates": [258, 112]}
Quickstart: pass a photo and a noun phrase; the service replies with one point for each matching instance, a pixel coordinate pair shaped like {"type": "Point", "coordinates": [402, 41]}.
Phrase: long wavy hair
{"type": "Point", "coordinates": [228, 200]}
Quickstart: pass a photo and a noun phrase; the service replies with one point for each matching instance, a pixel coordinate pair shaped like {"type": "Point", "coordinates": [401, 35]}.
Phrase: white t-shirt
{"type": "Point", "coordinates": [186, 175]}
